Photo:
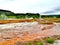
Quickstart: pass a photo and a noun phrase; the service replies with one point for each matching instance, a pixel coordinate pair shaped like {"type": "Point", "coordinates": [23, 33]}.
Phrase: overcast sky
{"type": "Point", "coordinates": [31, 6]}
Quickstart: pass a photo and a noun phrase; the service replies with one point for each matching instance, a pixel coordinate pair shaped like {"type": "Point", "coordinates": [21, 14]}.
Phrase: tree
{"type": "Point", "coordinates": [3, 16]}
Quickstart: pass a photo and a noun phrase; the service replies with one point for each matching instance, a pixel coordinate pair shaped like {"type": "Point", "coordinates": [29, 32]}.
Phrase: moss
{"type": "Point", "coordinates": [39, 43]}
{"type": "Point", "coordinates": [28, 43]}
{"type": "Point", "coordinates": [50, 40]}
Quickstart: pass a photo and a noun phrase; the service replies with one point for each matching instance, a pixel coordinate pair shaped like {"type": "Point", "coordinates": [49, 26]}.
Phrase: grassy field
{"type": "Point", "coordinates": [48, 20]}
{"type": "Point", "coordinates": [43, 20]}
{"type": "Point", "coordinates": [57, 20]}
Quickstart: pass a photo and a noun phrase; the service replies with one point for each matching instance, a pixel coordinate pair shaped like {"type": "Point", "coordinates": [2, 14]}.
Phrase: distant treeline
{"type": "Point", "coordinates": [6, 14]}
{"type": "Point", "coordinates": [50, 16]}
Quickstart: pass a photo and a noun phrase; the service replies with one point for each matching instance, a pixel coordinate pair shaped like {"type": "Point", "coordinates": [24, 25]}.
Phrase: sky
{"type": "Point", "coordinates": [31, 6]}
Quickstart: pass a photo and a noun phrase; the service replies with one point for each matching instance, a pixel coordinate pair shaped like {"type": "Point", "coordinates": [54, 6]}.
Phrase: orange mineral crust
{"type": "Point", "coordinates": [22, 39]}
{"type": "Point", "coordinates": [27, 32]}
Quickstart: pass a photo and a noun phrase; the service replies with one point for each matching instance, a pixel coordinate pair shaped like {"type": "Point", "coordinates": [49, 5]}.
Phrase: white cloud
{"type": "Point", "coordinates": [24, 6]}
